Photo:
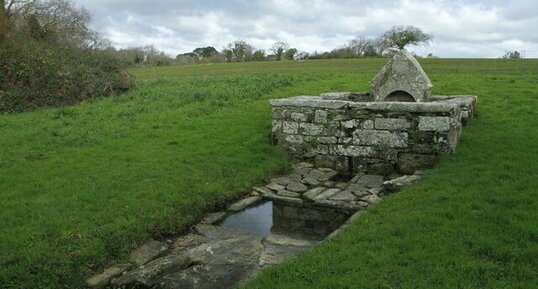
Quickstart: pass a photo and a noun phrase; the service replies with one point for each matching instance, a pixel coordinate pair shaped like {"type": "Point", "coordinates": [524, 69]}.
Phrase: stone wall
{"type": "Point", "coordinates": [372, 137]}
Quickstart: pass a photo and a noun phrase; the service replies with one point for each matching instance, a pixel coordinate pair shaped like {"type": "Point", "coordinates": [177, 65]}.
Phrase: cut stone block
{"type": "Point", "coordinates": [312, 193]}
{"type": "Point", "coordinates": [397, 184]}
{"type": "Point", "coordinates": [327, 194]}
{"type": "Point", "coordinates": [281, 240]}
{"type": "Point", "coordinates": [408, 163]}
{"type": "Point", "coordinates": [275, 187]}
{"type": "Point", "coordinates": [432, 123]}
{"type": "Point", "coordinates": [310, 181]}
{"type": "Point", "coordinates": [276, 197]}
{"type": "Point", "coordinates": [320, 116]}
{"type": "Point", "coordinates": [310, 129]}
{"type": "Point", "coordinates": [147, 252]}
{"type": "Point", "coordinates": [344, 196]}
{"type": "Point", "coordinates": [281, 181]}
{"type": "Point", "coordinates": [380, 138]}
{"type": "Point", "coordinates": [296, 187]}
{"type": "Point", "coordinates": [213, 218]}
{"type": "Point", "coordinates": [102, 279]}
{"type": "Point", "coordinates": [240, 205]}
{"type": "Point", "coordinates": [289, 127]}
{"type": "Point", "coordinates": [391, 123]}
{"type": "Point", "coordinates": [288, 194]}
{"type": "Point", "coordinates": [370, 181]}
{"type": "Point", "coordinates": [264, 190]}
{"type": "Point", "coordinates": [355, 151]}
{"type": "Point", "coordinates": [372, 199]}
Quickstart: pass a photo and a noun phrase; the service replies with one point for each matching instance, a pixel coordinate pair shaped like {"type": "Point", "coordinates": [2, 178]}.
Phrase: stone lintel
{"type": "Point", "coordinates": [309, 101]}
{"type": "Point", "coordinates": [424, 107]}
{"type": "Point", "coordinates": [440, 104]}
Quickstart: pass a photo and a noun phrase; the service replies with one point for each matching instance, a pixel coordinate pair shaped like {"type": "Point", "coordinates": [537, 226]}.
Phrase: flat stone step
{"type": "Point", "coordinates": [296, 187]}
{"type": "Point", "coordinates": [241, 204]}
{"type": "Point", "coordinates": [281, 240]}
{"type": "Point", "coordinates": [312, 193]}
{"type": "Point", "coordinates": [148, 252]}
{"type": "Point", "coordinates": [275, 187]}
{"type": "Point", "coordinates": [213, 217]}
{"type": "Point", "coordinates": [327, 194]}
{"type": "Point", "coordinates": [288, 194]}
{"type": "Point", "coordinates": [275, 197]}
{"type": "Point", "coordinates": [344, 196]}
{"type": "Point", "coordinates": [102, 279]}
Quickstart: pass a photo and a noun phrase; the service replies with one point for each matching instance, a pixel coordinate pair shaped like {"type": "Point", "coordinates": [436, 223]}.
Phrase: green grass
{"type": "Point", "coordinates": [82, 185]}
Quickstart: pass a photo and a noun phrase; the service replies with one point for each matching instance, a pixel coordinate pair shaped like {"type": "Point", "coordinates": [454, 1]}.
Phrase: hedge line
{"type": "Point", "coordinates": [34, 74]}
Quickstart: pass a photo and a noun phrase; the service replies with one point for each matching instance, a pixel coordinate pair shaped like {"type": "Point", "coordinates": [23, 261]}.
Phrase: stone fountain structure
{"type": "Point", "coordinates": [380, 140]}
{"type": "Point", "coordinates": [398, 127]}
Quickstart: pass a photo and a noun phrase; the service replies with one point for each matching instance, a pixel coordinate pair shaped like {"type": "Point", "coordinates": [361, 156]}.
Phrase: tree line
{"type": "Point", "coordinates": [49, 56]}
{"type": "Point", "coordinates": [239, 51]}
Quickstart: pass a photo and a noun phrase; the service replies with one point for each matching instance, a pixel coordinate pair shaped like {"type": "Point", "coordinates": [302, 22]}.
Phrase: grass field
{"type": "Point", "coordinates": [82, 185]}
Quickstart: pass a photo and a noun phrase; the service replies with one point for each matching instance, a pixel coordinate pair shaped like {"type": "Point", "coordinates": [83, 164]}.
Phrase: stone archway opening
{"type": "Point", "coordinates": [400, 95]}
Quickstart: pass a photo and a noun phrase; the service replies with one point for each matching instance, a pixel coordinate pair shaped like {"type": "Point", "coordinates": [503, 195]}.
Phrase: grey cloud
{"type": "Point", "coordinates": [461, 28]}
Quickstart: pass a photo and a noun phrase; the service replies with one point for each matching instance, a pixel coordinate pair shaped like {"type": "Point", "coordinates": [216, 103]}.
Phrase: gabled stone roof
{"type": "Point", "coordinates": [400, 79]}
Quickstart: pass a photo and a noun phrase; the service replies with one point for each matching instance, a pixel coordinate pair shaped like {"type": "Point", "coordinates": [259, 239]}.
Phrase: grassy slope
{"type": "Point", "coordinates": [471, 223]}
{"type": "Point", "coordinates": [83, 184]}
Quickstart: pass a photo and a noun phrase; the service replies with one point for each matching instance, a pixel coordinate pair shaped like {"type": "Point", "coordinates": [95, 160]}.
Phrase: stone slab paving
{"type": "Point", "coordinates": [325, 187]}
{"type": "Point", "coordinates": [214, 257]}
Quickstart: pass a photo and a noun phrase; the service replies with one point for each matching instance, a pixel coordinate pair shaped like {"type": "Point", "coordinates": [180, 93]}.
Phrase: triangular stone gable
{"type": "Point", "coordinates": [401, 79]}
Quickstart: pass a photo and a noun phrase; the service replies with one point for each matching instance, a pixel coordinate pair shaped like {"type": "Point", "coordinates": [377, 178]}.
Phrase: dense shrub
{"type": "Point", "coordinates": [34, 74]}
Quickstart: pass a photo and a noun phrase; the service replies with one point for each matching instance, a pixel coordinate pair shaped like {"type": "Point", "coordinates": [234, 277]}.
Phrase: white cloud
{"type": "Point", "coordinates": [460, 28]}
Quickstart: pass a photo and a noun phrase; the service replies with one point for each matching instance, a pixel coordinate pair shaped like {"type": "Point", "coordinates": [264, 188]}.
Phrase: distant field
{"type": "Point", "coordinates": [82, 185]}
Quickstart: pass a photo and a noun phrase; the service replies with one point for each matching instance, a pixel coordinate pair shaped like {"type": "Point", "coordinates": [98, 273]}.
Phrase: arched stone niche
{"type": "Point", "coordinates": [400, 95]}
{"type": "Point", "coordinates": [400, 78]}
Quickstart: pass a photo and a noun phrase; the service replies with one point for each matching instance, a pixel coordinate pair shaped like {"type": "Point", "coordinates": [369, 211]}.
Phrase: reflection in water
{"type": "Point", "coordinates": [257, 220]}
{"type": "Point", "coordinates": [306, 221]}
{"type": "Point", "coordinates": [288, 219]}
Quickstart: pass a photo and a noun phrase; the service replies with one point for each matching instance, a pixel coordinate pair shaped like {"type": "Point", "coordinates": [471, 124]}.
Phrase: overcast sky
{"type": "Point", "coordinates": [460, 28]}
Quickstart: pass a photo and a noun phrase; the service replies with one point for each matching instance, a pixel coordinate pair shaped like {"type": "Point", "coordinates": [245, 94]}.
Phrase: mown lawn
{"type": "Point", "coordinates": [82, 185]}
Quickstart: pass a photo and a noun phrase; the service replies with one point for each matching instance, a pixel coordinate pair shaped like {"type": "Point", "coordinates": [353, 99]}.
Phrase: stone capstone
{"type": "Point", "coordinates": [402, 74]}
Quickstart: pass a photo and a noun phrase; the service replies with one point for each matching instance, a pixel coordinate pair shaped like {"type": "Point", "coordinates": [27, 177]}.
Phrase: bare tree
{"type": "Point", "coordinates": [362, 46]}
{"type": "Point", "coordinates": [400, 36]}
{"type": "Point", "coordinates": [279, 48]}
{"type": "Point", "coordinates": [59, 22]}
{"type": "Point", "coordinates": [240, 50]}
